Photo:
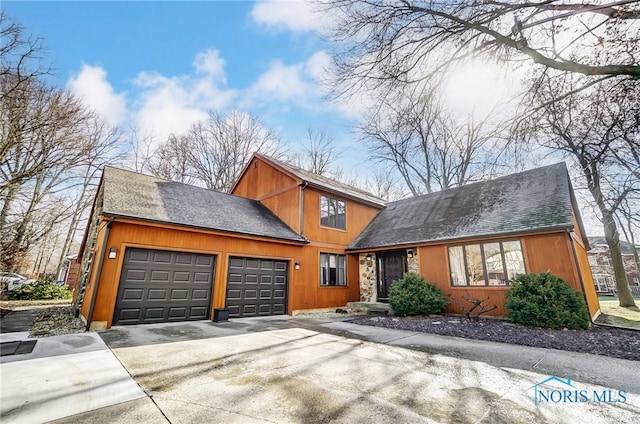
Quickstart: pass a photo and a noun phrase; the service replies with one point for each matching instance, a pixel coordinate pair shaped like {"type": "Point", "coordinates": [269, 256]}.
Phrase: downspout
{"type": "Point", "coordinates": [304, 185]}
{"type": "Point", "coordinates": [98, 274]}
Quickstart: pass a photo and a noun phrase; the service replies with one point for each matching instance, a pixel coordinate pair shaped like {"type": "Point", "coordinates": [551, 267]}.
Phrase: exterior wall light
{"type": "Point", "coordinates": [113, 252]}
{"type": "Point", "coordinates": [369, 257]}
{"type": "Point", "coordinates": [297, 265]}
{"type": "Point", "coordinates": [410, 254]}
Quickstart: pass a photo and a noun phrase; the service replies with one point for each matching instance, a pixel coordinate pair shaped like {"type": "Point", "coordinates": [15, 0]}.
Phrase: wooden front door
{"type": "Point", "coordinates": [391, 267]}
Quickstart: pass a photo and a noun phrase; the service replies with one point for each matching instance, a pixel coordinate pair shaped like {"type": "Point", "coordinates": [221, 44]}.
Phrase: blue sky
{"type": "Point", "coordinates": [162, 65]}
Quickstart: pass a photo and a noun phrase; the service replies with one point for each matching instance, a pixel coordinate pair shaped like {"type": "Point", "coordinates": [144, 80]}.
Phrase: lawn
{"type": "Point", "coordinates": [615, 315]}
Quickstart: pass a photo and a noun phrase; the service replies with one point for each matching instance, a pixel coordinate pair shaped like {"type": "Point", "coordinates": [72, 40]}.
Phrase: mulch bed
{"type": "Point", "coordinates": [606, 341]}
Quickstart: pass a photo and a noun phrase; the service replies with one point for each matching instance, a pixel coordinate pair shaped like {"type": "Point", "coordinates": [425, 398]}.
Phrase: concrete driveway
{"type": "Point", "coordinates": [272, 370]}
{"type": "Point", "coordinates": [287, 369]}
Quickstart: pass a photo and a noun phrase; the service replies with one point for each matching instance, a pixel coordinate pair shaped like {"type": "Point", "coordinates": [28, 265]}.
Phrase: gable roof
{"type": "Point", "coordinates": [132, 195]}
{"type": "Point", "coordinates": [318, 181]}
{"type": "Point", "coordinates": [534, 200]}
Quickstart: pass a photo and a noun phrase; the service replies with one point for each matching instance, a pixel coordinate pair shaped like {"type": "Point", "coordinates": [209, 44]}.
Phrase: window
{"type": "Point", "coordinates": [487, 264]}
{"type": "Point", "coordinates": [332, 270]}
{"type": "Point", "coordinates": [636, 281]}
{"type": "Point", "coordinates": [601, 282]}
{"type": "Point", "coordinates": [593, 261]}
{"type": "Point", "coordinates": [606, 261]}
{"type": "Point", "coordinates": [333, 213]}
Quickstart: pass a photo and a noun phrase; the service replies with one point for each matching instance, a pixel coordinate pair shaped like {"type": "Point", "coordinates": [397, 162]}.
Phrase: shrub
{"type": "Point", "coordinates": [42, 289]}
{"type": "Point", "coordinates": [412, 295]}
{"type": "Point", "coordinates": [544, 300]}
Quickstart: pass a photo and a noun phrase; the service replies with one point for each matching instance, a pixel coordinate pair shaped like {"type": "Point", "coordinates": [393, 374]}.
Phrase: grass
{"type": "Point", "coordinates": [615, 315]}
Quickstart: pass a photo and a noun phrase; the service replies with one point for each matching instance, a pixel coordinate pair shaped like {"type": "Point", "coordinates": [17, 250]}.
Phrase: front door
{"type": "Point", "coordinates": [391, 267]}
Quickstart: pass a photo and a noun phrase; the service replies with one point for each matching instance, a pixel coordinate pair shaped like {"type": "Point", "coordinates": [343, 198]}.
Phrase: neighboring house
{"type": "Point", "coordinates": [286, 240]}
{"type": "Point", "coordinates": [602, 268]}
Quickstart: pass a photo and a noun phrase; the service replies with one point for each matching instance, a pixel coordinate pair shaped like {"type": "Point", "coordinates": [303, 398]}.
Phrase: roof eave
{"type": "Point", "coordinates": [156, 221]}
{"type": "Point", "coordinates": [547, 229]}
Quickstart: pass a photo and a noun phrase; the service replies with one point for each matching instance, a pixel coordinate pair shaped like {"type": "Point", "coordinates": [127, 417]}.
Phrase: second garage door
{"type": "Point", "coordinates": [161, 286]}
{"type": "Point", "coordinates": [256, 287]}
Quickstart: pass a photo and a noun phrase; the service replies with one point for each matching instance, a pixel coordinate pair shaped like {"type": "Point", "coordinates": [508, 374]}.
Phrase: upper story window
{"type": "Point", "coordinates": [486, 264]}
{"type": "Point", "coordinates": [333, 213]}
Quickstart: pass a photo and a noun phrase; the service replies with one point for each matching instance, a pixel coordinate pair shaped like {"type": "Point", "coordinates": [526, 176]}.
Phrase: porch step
{"type": "Point", "coordinates": [369, 308]}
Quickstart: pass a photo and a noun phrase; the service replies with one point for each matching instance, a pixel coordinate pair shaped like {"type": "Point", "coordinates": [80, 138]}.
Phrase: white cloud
{"type": "Point", "coordinates": [209, 62]}
{"type": "Point", "coordinates": [292, 15]}
{"type": "Point", "coordinates": [91, 85]}
{"type": "Point", "coordinates": [299, 83]}
{"type": "Point", "coordinates": [172, 104]}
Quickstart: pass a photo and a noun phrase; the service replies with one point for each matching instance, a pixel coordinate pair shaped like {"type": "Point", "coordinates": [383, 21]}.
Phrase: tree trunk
{"type": "Point", "coordinates": [612, 237]}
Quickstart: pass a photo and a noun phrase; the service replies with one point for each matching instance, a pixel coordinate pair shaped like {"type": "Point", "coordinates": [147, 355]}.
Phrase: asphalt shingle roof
{"type": "Point", "coordinates": [129, 194]}
{"type": "Point", "coordinates": [326, 183]}
{"type": "Point", "coordinates": [532, 200]}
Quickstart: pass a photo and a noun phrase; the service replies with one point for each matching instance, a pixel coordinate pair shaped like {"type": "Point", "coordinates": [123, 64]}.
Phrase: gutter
{"type": "Point", "coordinates": [98, 273]}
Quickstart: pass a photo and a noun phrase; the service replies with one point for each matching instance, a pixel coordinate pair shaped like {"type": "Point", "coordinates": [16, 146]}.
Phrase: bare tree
{"type": "Point", "coordinates": [19, 57]}
{"type": "Point", "coordinates": [104, 146]}
{"type": "Point", "coordinates": [319, 154]}
{"type": "Point", "coordinates": [213, 152]}
{"type": "Point", "coordinates": [382, 43]}
{"type": "Point", "coordinates": [428, 146]}
{"type": "Point", "coordinates": [172, 160]}
{"type": "Point", "coordinates": [592, 129]}
{"type": "Point", "coordinates": [628, 217]}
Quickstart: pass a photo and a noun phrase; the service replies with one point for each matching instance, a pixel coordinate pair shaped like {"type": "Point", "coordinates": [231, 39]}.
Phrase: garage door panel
{"type": "Point", "coordinates": [160, 256]}
{"type": "Point", "coordinates": [234, 294]}
{"type": "Point", "coordinates": [132, 294]}
{"type": "Point", "coordinates": [266, 294]}
{"type": "Point", "coordinates": [160, 276]}
{"type": "Point", "coordinates": [182, 277]}
{"type": "Point", "coordinates": [157, 294]}
{"type": "Point", "coordinates": [250, 294]}
{"type": "Point", "coordinates": [136, 275]}
{"type": "Point", "coordinates": [256, 287]}
{"type": "Point", "coordinates": [140, 255]}
{"type": "Point", "coordinates": [252, 264]}
{"type": "Point", "coordinates": [199, 312]}
{"type": "Point", "coordinates": [179, 294]}
{"type": "Point", "coordinates": [264, 309]}
{"type": "Point", "coordinates": [168, 286]}
{"type": "Point", "coordinates": [201, 277]}
{"type": "Point", "coordinates": [180, 313]}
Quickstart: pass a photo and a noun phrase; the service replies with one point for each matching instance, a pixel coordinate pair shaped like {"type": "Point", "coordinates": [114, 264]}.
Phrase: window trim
{"type": "Point", "coordinates": [484, 265]}
{"type": "Point", "coordinates": [345, 213]}
{"type": "Point", "coordinates": [320, 268]}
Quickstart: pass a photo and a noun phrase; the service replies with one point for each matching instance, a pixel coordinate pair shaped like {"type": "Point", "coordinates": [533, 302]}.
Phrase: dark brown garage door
{"type": "Point", "coordinates": [161, 286]}
{"type": "Point", "coordinates": [256, 287]}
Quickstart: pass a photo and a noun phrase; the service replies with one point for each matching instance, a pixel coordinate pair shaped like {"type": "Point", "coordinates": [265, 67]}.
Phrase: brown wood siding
{"type": "Point", "coordinates": [286, 206]}
{"type": "Point", "coordinates": [358, 216]}
{"type": "Point", "coordinates": [304, 288]}
{"type": "Point", "coordinates": [587, 279]}
{"type": "Point", "coordinates": [263, 182]}
{"type": "Point", "coordinates": [544, 252]}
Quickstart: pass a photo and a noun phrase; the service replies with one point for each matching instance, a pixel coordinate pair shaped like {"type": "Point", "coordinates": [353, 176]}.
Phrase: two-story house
{"type": "Point", "coordinates": [286, 240]}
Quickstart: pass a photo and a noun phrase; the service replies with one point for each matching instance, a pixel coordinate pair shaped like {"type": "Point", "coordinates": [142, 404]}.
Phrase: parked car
{"type": "Point", "coordinates": [14, 280]}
